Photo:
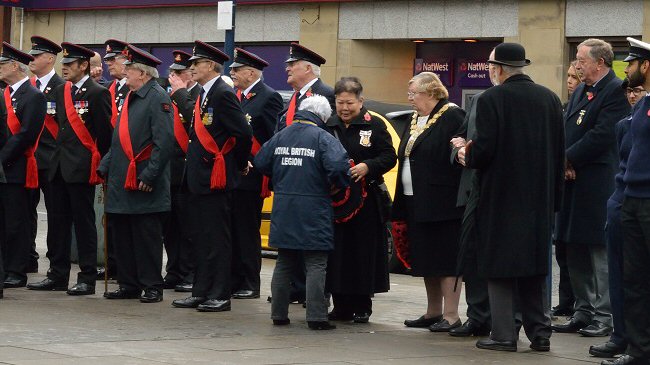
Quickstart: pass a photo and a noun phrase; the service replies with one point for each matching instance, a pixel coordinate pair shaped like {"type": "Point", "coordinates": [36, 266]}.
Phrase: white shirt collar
{"type": "Point", "coordinates": [80, 83]}
{"type": "Point", "coordinates": [306, 87]}
{"type": "Point", "coordinates": [121, 82]}
{"type": "Point", "coordinates": [595, 83]}
{"type": "Point", "coordinates": [18, 84]}
{"type": "Point", "coordinates": [192, 87]}
{"type": "Point", "coordinates": [208, 86]}
{"type": "Point", "coordinates": [45, 79]}
{"type": "Point", "coordinates": [248, 89]}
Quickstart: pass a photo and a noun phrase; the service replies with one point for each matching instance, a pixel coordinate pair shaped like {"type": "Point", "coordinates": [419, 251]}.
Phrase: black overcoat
{"type": "Point", "coordinates": [519, 156]}
{"type": "Point", "coordinates": [435, 180]}
{"type": "Point", "coordinates": [591, 150]}
{"type": "Point", "coordinates": [358, 264]}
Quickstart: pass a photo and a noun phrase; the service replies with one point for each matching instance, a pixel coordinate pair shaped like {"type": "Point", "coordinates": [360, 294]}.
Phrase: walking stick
{"type": "Point", "coordinates": [105, 223]}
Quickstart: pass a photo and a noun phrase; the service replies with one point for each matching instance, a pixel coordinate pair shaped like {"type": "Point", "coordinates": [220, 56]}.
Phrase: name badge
{"type": "Point", "coordinates": [365, 138]}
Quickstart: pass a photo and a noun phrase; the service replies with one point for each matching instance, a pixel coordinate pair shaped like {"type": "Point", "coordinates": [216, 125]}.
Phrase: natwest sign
{"type": "Point", "coordinates": [441, 67]}
{"type": "Point", "coordinates": [473, 73]}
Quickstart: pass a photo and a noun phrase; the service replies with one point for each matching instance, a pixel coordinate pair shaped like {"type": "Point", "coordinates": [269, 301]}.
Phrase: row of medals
{"type": "Point", "coordinates": [80, 106]}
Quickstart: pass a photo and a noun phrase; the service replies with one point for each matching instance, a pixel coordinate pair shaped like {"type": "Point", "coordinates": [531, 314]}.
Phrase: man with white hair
{"type": "Point", "coordinates": [306, 164]}
{"type": "Point", "coordinates": [22, 114]}
{"type": "Point", "coordinates": [138, 179]}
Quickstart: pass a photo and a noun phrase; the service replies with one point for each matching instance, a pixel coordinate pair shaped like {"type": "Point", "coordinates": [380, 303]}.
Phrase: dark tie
{"type": "Point", "coordinates": [11, 90]}
{"type": "Point", "coordinates": [38, 84]}
{"type": "Point", "coordinates": [74, 90]}
{"type": "Point", "coordinates": [201, 95]}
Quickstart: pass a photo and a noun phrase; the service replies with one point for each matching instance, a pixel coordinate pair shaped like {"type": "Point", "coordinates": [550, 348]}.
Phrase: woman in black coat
{"type": "Point", "coordinates": [425, 198]}
{"type": "Point", "coordinates": [358, 266]}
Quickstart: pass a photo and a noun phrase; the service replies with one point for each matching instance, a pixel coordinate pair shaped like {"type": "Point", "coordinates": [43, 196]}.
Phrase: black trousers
{"type": "Point", "coordinates": [72, 203]}
{"type": "Point", "coordinates": [138, 249]}
{"type": "Point", "coordinates": [210, 215]}
{"type": "Point", "coordinates": [35, 198]}
{"type": "Point", "coordinates": [15, 229]}
{"type": "Point", "coordinates": [567, 299]}
{"type": "Point", "coordinates": [635, 220]}
{"type": "Point", "coordinates": [348, 304]}
{"type": "Point", "coordinates": [181, 260]}
{"type": "Point", "coordinates": [246, 241]}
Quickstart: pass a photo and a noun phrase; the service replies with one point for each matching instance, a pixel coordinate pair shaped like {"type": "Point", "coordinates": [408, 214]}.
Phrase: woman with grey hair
{"type": "Point", "coordinates": [305, 163]}
{"type": "Point", "coordinates": [138, 180]}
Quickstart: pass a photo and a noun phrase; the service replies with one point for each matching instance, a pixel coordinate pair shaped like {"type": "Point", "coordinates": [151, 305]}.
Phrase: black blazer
{"type": "Point", "coordinates": [228, 120]}
{"type": "Point", "coordinates": [47, 144]}
{"type": "Point", "coordinates": [184, 101]}
{"type": "Point", "coordinates": [318, 88]}
{"type": "Point", "coordinates": [70, 156]}
{"type": "Point", "coordinates": [435, 180]}
{"type": "Point", "coordinates": [468, 131]}
{"type": "Point", "coordinates": [261, 108]}
{"type": "Point", "coordinates": [30, 108]}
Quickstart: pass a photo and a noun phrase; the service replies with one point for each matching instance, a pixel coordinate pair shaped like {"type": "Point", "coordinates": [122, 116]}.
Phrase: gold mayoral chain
{"type": "Point", "coordinates": [416, 131]}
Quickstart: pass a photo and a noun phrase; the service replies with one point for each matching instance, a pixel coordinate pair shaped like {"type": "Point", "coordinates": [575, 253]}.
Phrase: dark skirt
{"type": "Point", "coordinates": [433, 246]}
{"type": "Point", "coordinates": [359, 262]}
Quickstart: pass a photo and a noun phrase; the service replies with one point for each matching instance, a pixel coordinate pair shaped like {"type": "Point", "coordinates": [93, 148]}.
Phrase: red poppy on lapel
{"type": "Point", "coordinates": [590, 95]}
{"type": "Point", "coordinates": [249, 95]}
{"type": "Point", "coordinates": [367, 117]}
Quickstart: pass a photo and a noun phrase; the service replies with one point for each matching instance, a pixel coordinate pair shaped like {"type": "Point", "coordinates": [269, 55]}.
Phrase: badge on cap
{"type": "Point", "coordinates": [108, 48]}
{"type": "Point", "coordinates": [178, 58]}
{"type": "Point", "coordinates": [65, 52]}
{"type": "Point", "coordinates": [235, 54]}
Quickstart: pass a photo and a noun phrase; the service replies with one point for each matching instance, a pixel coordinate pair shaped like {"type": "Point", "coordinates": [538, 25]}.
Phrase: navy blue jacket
{"type": "Point", "coordinates": [637, 175]}
{"type": "Point", "coordinates": [304, 162]}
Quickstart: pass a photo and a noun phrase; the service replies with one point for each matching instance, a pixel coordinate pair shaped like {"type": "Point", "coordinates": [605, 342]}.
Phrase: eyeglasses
{"type": "Point", "coordinates": [635, 91]}
{"type": "Point", "coordinates": [412, 94]}
{"type": "Point", "coordinates": [196, 62]}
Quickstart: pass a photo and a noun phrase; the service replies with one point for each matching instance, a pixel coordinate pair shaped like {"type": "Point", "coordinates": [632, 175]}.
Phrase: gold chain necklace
{"type": "Point", "coordinates": [416, 131]}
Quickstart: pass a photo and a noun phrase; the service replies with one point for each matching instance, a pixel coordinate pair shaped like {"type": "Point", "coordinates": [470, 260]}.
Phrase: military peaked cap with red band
{"type": "Point", "coordinates": [245, 58]}
{"type": "Point", "coordinates": [10, 53]}
{"type": "Point", "coordinates": [181, 60]}
{"type": "Point", "coordinates": [137, 55]}
{"type": "Point", "coordinates": [73, 52]}
{"type": "Point", "coordinates": [298, 52]}
{"type": "Point", "coordinates": [115, 47]}
{"type": "Point", "coordinates": [42, 45]}
{"type": "Point", "coordinates": [204, 50]}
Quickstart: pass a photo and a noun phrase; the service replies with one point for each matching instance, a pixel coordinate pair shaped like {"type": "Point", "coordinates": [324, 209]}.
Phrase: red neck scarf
{"type": "Point", "coordinates": [131, 182]}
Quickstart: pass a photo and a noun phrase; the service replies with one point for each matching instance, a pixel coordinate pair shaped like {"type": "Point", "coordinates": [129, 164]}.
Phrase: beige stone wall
{"type": "Point", "coordinates": [50, 25]}
{"type": "Point", "coordinates": [542, 33]}
{"type": "Point", "coordinates": [319, 24]}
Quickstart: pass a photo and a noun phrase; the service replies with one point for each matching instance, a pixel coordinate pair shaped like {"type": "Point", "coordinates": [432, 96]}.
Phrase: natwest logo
{"type": "Point", "coordinates": [435, 66]}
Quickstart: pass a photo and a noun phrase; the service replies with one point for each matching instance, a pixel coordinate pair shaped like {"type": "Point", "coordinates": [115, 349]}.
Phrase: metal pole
{"type": "Point", "coordinates": [229, 43]}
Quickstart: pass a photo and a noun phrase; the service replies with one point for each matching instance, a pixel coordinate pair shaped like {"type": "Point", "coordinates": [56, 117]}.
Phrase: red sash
{"type": "Point", "coordinates": [266, 192]}
{"type": "Point", "coordinates": [291, 111]}
{"type": "Point", "coordinates": [218, 176]}
{"type": "Point", "coordinates": [31, 170]}
{"type": "Point", "coordinates": [131, 182]}
{"type": "Point", "coordinates": [114, 111]}
{"type": "Point", "coordinates": [82, 133]}
{"type": "Point", "coordinates": [179, 131]}
{"type": "Point", "coordinates": [50, 123]}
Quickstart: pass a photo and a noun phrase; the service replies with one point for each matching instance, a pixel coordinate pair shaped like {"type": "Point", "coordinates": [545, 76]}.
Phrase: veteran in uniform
{"type": "Point", "coordinates": [46, 80]}
{"type": "Point", "coordinates": [83, 112]}
{"type": "Point", "coordinates": [217, 155]}
{"type": "Point", "coordinates": [180, 257]}
{"type": "Point", "coordinates": [138, 180]}
{"type": "Point", "coordinates": [261, 105]}
{"type": "Point", "coordinates": [21, 120]}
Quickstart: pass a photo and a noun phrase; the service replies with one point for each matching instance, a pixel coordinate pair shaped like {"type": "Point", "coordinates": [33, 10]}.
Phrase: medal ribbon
{"type": "Point", "coordinates": [82, 134]}
{"type": "Point", "coordinates": [179, 131]}
{"type": "Point", "coordinates": [131, 182]}
{"type": "Point", "coordinates": [50, 124]}
{"type": "Point", "coordinates": [31, 169]}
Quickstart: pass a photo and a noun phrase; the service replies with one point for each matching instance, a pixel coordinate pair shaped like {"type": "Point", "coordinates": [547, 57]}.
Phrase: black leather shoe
{"type": "Point", "coordinates": [189, 302]}
{"type": "Point", "coordinates": [151, 296]}
{"type": "Point", "coordinates": [214, 305]}
{"type": "Point", "coordinates": [572, 326]}
{"type": "Point", "coordinates": [184, 287]}
{"type": "Point", "coordinates": [246, 294]}
{"type": "Point", "coordinates": [361, 317]}
{"type": "Point", "coordinates": [324, 325]}
{"type": "Point", "coordinates": [558, 311]}
{"type": "Point", "coordinates": [48, 284]}
{"type": "Point", "coordinates": [171, 283]}
{"type": "Point", "coordinates": [122, 293]}
{"type": "Point", "coordinates": [14, 283]}
{"type": "Point", "coordinates": [607, 349]}
{"type": "Point", "coordinates": [336, 316]}
{"type": "Point", "coordinates": [444, 326]}
{"type": "Point", "coordinates": [596, 329]}
{"type": "Point", "coordinates": [489, 344]}
{"type": "Point", "coordinates": [470, 328]}
{"type": "Point", "coordinates": [625, 360]}
{"type": "Point", "coordinates": [422, 322]}
{"type": "Point", "coordinates": [541, 344]}
{"type": "Point", "coordinates": [82, 289]}
{"type": "Point", "coordinates": [281, 322]}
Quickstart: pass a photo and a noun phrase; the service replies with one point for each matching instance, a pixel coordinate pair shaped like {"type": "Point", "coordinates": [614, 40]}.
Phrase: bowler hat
{"type": "Point", "coordinates": [510, 54]}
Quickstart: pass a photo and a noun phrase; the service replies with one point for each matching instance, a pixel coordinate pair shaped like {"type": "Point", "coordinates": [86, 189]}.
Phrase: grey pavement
{"type": "Point", "coordinates": [54, 328]}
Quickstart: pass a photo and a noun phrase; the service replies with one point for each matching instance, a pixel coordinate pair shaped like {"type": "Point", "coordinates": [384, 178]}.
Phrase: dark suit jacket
{"type": "Point", "coordinates": [262, 106]}
{"type": "Point", "coordinates": [519, 157]}
{"type": "Point", "coordinates": [29, 105]}
{"type": "Point", "coordinates": [435, 180]}
{"type": "Point", "coordinates": [70, 156]}
{"type": "Point", "coordinates": [591, 150]}
{"type": "Point", "coordinates": [318, 88]}
{"type": "Point", "coordinates": [150, 123]}
{"type": "Point", "coordinates": [120, 94]}
{"type": "Point", "coordinates": [228, 121]}
{"type": "Point", "coordinates": [184, 101]}
{"type": "Point", "coordinates": [467, 131]}
{"type": "Point", "coordinates": [47, 144]}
